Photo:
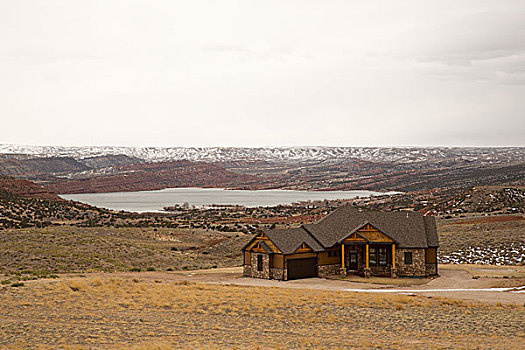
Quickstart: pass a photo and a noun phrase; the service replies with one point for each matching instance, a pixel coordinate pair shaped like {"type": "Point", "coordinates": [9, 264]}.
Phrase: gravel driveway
{"type": "Point", "coordinates": [453, 283]}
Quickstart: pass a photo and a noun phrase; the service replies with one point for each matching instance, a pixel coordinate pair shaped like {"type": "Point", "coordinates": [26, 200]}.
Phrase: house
{"type": "Point", "coordinates": [347, 241]}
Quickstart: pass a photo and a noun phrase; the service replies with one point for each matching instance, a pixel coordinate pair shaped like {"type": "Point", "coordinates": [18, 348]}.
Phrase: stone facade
{"type": "Point", "coordinates": [418, 266]}
{"type": "Point", "coordinates": [328, 270]}
{"type": "Point", "coordinates": [276, 273]}
{"type": "Point", "coordinates": [247, 271]}
{"type": "Point", "coordinates": [265, 273]}
{"type": "Point", "coordinates": [431, 269]}
{"type": "Point", "coordinates": [380, 270]}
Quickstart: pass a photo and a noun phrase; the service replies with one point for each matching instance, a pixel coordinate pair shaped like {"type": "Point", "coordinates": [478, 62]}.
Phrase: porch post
{"type": "Point", "coordinates": [342, 256]}
{"type": "Point", "coordinates": [367, 272]}
{"type": "Point", "coordinates": [342, 271]}
{"type": "Point", "coordinates": [393, 256]}
{"type": "Point", "coordinates": [393, 270]}
{"type": "Point", "coordinates": [366, 257]}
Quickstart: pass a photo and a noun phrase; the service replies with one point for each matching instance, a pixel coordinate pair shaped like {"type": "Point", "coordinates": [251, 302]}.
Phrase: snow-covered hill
{"type": "Point", "coordinates": [272, 154]}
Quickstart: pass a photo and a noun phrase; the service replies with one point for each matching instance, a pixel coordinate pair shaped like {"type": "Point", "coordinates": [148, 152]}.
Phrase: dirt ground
{"type": "Point", "coordinates": [471, 280]}
{"type": "Point", "coordinates": [220, 309]}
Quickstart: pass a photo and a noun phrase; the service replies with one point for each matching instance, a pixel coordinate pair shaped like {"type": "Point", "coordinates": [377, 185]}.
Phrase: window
{"type": "Point", "coordinates": [408, 258]}
{"type": "Point", "coordinates": [259, 262]}
{"type": "Point", "coordinates": [329, 253]}
{"type": "Point", "coordinates": [372, 256]}
{"type": "Point", "coordinates": [382, 256]}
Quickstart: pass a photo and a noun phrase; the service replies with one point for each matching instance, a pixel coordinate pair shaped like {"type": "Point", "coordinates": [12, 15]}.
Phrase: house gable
{"type": "Point", "coordinates": [373, 234]}
{"type": "Point", "coordinates": [304, 248]}
{"type": "Point", "coordinates": [256, 243]}
{"type": "Point", "coordinates": [366, 233]}
{"type": "Point", "coordinates": [356, 237]}
{"type": "Point", "coordinates": [261, 247]}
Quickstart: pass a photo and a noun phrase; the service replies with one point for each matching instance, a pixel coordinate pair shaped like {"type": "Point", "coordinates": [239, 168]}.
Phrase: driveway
{"type": "Point", "coordinates": [453, 283]}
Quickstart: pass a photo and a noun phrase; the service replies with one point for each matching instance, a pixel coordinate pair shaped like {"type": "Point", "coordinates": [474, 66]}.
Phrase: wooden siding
{"type": "Point", "coordinates": [372, 234]}
{"type": "Point", "coordinates": [301, 256]}
{"type": "Point", "coordinates": [247, 258]}
{"type": "Point", "coordinates": [277, 260]}
{"type": "Point", "coordinates": [324, 259]}
{"type": "Point", "coordinates": [431, 256]}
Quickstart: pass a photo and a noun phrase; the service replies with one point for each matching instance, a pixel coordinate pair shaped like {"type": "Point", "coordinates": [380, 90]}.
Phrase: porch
{"type": "Point", "coordinates": [366, 259]}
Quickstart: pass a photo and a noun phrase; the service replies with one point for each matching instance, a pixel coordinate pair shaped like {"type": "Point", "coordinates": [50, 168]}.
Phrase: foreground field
{"type": "Point", "coordinates": [124, 313]}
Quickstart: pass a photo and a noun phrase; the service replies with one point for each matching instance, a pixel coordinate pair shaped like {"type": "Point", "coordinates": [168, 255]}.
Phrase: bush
{"type": "Point", "coordinates": [150, 269]}
{"type": "Point", "coordinates": [17, 284]}
{"type": "Point", "coordinates": [136, 269]}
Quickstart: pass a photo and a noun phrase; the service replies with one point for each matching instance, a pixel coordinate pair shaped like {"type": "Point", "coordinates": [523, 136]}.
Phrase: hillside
{"type": "Point", "coordinates": [26, 188]}
{"type": "Point", "coordinates": [156, 176]}
{"type": "Point", "coordinates": [455, 202]}
{"type": "Point", "coordinates": [110, 169]}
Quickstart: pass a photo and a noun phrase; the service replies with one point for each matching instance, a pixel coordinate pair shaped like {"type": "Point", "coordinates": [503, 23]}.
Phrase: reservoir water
{"type": "Point", "coordinates": [154, 201]}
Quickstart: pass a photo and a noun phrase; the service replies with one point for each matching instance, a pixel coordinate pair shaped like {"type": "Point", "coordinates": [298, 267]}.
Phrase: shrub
{"type": "Point", "coordinates": [17, 284]}
{"type": "Point", "coordinates": [136, 269]}
{"type": "Point", "coordinates": [150, 269]}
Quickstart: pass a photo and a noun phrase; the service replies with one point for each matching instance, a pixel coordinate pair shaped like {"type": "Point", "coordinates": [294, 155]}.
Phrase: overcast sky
{"type": "Point", "coordinates": [262, 73]}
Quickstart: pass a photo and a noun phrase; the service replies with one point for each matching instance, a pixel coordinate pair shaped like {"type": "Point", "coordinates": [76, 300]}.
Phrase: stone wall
{"type": "Point", "coordinates": [418, 266]}
{"type": "Point", "coordinates": [380, 270]}
{"type": "Point", "coordinates": [247, 271]}
{"type": "Point", "coordinates": [265, 273]}
{"type": "Point", "coordinates": [431, 269]}
{"type": "Point", "coordinates": [276, 273]}
{"type": "Point", "coordinates": [328, 270]}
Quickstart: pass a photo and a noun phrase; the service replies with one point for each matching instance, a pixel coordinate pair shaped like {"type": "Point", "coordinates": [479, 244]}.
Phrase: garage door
{"type": "Point", "coordinates": [302, 268]}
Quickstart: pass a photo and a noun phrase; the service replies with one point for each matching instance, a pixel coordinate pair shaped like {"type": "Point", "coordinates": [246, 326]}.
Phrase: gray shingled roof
{"type": "Point", "coordinates": [430, 228]}
{"type": "Point", "coordinates": [288, 240]}
{"type": "Point", "coordinates": [408, 229]}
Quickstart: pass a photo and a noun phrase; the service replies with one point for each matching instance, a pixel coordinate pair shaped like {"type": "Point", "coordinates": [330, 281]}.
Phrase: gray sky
{"type": "Point", "coordinates": [262, 73]}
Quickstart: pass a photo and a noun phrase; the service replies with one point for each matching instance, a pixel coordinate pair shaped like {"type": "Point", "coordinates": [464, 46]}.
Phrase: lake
{"type": "Point", "coordinates": [154, 201]}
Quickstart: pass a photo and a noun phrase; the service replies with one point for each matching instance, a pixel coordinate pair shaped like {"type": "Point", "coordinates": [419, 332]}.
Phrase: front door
{"type": "Point", "coordinates": [352, 263]}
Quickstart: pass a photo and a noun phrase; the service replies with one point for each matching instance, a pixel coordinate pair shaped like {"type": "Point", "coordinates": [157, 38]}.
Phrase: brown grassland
{"type": "Point", "coordinates": [127, 313]}
{"type": "Point", "coordinates": [112, 310]}
{"type": "Point", "coordinates": [61, 249]}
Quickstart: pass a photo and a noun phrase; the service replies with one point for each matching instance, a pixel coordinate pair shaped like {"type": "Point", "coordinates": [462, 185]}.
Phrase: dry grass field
{"type": "Point", "coordinates": [119, 311]}
{"type": "Point", "coordinates": [60, 249]}
{"type": "Point", "coordinates": [127, 313]}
